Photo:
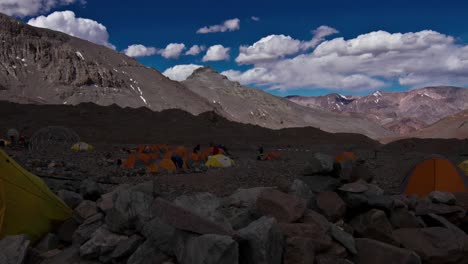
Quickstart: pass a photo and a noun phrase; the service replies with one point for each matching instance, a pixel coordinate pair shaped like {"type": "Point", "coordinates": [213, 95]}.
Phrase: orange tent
{"type": "Point", "coordinates": [434, 174]}
{"type": "Point", "coordinates": [345, 156]}
{"type": "Point", "coordinates": [166, 165]}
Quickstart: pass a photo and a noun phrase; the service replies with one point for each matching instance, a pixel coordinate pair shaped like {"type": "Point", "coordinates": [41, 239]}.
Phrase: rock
{"type": "Point", "coordinates": [402, 218]}
{"type": "Point", "coordinates": [50, 254]}
{"type": "Point", "coordinates": [131, 210]}
{"type": "Point", "coordinates": [313, 218]}
{"type": "Point", "coordinates": [375, 225]}
{"type": "Point", "coordinates": [147, 254]}
{"type": "Point", "coordinates": [48, 242]}
{"type": "Point", "coordinates": [319, 164]}
{"type": "Point", "coordinates": [106, 202]}
{"type": "Point", "coordinates": [263, 242]}
{"type": "Point", "coordinates": [85, 230]}
{"type": "Point", "coordinates": [72, 199]}
{"type": "Point", "coordinates": [68, 255]}
{"type": "Point", "coordinates": [355, 187]}
{"type": "Point", "coordinates": [186, 220]}
{"type": "Point", "coordinates": [90, 190]}
{"type": "Point", "coordinates": [434, 244]}
{"type": "Point", "coordinates": [86, 209]}
{"type": "Point", "coordinates": [331, 205]}
{"type": "Point", "coordinates": [336, 250]}
{"type": "Point", "coordinates": [66, 229]}
{"type": "Point", "coordinates": [321, 240]}
{"type": "Point", "coordinates": [239, 217]}
{"type": "Point", "coordinates": [284, 207]}
{"type": "Point", "coordinates": [319, 184]}
{"type": "Point", "coordinates": [301, 189]}
{"type": "Point", "coordinates": [161, 235]}
{"type": "Point", "coordinates": [373, 252]}
{"type": "Point", "coordinates": [203, 204]}
{"type": "Point", "coordinates": [208, 249]}
{"type": "Point", "coordinates": [13, 249]}
{"type": "Point", "coordinates": [344, 239]}
{"type": "Point", "coordinates": [373, 190]}
{"type": "Point", "coordinates": [101, 243]}
{"type": "Point", "coordinates": [425, 206]}
{"type": "Point", "coordinates": [462, 200]}
{"type": "Point", "coordinates": [126, 247]}
{"type": "Point", "coordinates": [245, 197]}
{"type": "Point", "coordinates": [299, 250]}
{"type": "Point", "coordinates": [381, 202]}
{"type": "Point", "coordinates": [442, 197]}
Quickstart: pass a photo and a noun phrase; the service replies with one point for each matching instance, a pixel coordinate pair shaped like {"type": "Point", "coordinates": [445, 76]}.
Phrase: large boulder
{"type": "Point", "coordinates": [161, 234]}
{"type": "Point", "coordinates": [208, 249]}
{"type": "Point", "coordinates": [203, 204]}
{"type": "Point", "coordinates": [344, 238]}
{"type": "Point", "coordinates": [321, 240]}
{"type": "Point", "coordinates": [13, 249]}
{"type": "Point", "coordinates": [301, 189]}
{"type": "Point", "coordinates": [426, 206]}
{"type": "Point", "coordinates": [262, 242]}
{"type": "Point", "coordinates": [85, 230]}
{"type": "Point", "coordinates": [147, 254]}
{"type": "Point", "coordinates": [313, 218]}
{"type": "Point", "coordinates": [375, 225]}
{"type": "Point", "coordinates": [284, 207]}
{"type": "Point", "coordinates": [319, 164]}
{"type": "Point", "coordinates": [131, 210]}
{"type": "Point", "coordinates": [102, 242]}
{"type": "Point", "coordinates": [72, 199]}
{"type": "Point", "coordinates": [90, 190]}
{"type": "Point", "coordinates": [183, 219]}
{"type": "Point", "coordinates": [299, 250]}
{"type": "Point", "coordinates": [373, 252]}
{"type": "Point", "coordinates": [331, 205]}
{"type": "Point", "coordinates": [435, 245]}
{"type": "Point", "coordinates": [402, 218]}
{"type": "Point", "coordinates": [126, 247]}
{"type": "Point", "coordinates": [245, 197]}
{"type": "Point", "coordinates": [86, 209]}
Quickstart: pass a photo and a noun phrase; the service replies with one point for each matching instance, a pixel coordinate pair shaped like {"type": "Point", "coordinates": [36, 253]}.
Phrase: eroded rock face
{"type": "Point", "coordinates": [13, 249]}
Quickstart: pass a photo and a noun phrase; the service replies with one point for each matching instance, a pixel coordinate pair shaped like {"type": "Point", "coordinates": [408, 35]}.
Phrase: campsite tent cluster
{"type": "Point", "coordinates": [164, 159]}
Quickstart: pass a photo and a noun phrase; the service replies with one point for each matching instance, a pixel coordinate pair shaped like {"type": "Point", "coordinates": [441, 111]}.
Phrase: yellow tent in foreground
{"type": "Point", "coordinates": [464, 166]}
{"type": "Point", "coordinates": [82, 146]}
{"type": "Point", "coordinates": [219, 161]}
{"type": "Point", "coordinates": [27, 205]}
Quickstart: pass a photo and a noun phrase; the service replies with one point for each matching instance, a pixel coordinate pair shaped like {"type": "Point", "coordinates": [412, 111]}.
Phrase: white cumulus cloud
{"type": "Point", "coordinates": [195, 50]}
{"type": "Point", "coordinates": [24, 8]}
{"type": "Point", "coordinates": [275, 47]}
{"type": "Point", "coordinates": [68, 23]}
{"type": "Point", "coordinates": [138, 50]}
{"type": "Point", "coordinates": [369, 61]}
{"type": "Point", "coordinates": [172, 51]}
{"type": "Point", "coordinates": [228, 25]}
{"type": "Point", "coordinates": [267, 49]}
{"type": "Point", "coordinates": [216, 53]}
{"type": "Point", "coordinates": [181, 72]}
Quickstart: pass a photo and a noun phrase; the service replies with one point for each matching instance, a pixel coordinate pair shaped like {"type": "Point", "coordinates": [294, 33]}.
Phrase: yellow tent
{"type": "Point", "coordinates": [82, 146]}
{"type": "Point", "coordinates": [219, 161]}
{"type": "Point", "coordinates": [464, 167]}
{"type": "Point", "coordinates": [27, 205]}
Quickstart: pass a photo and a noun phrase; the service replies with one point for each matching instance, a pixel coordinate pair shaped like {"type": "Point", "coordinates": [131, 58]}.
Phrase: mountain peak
{"type": "Point", "coordinates": [206, 73]}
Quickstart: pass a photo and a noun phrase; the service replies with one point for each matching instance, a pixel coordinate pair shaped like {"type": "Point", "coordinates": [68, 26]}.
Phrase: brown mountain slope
{"type": "Point", "coordinates": [43, 66]}
{"type": "Point", "coordinates": [247, 105]}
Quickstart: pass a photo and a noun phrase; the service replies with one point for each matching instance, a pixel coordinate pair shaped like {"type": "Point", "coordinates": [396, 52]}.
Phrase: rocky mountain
{"type": "Point", "coordinates": [42, 66]}
{"type": "Point", "coordinates": [47, 67]}
{"type": "Point", "coordinates": [455, 126]}
{"type": "Point", "coordinates": [401, 112]}
{"type": "Point", "coordinates": [246, 105]}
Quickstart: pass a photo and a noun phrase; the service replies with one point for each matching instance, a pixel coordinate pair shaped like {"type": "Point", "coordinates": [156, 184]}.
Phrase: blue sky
{"type": "Point", "coordinates": [156, 24]}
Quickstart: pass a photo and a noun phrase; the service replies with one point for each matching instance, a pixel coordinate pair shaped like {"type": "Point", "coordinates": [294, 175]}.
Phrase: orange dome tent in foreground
{"type": "Point", "coordinates": [434, 174]}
